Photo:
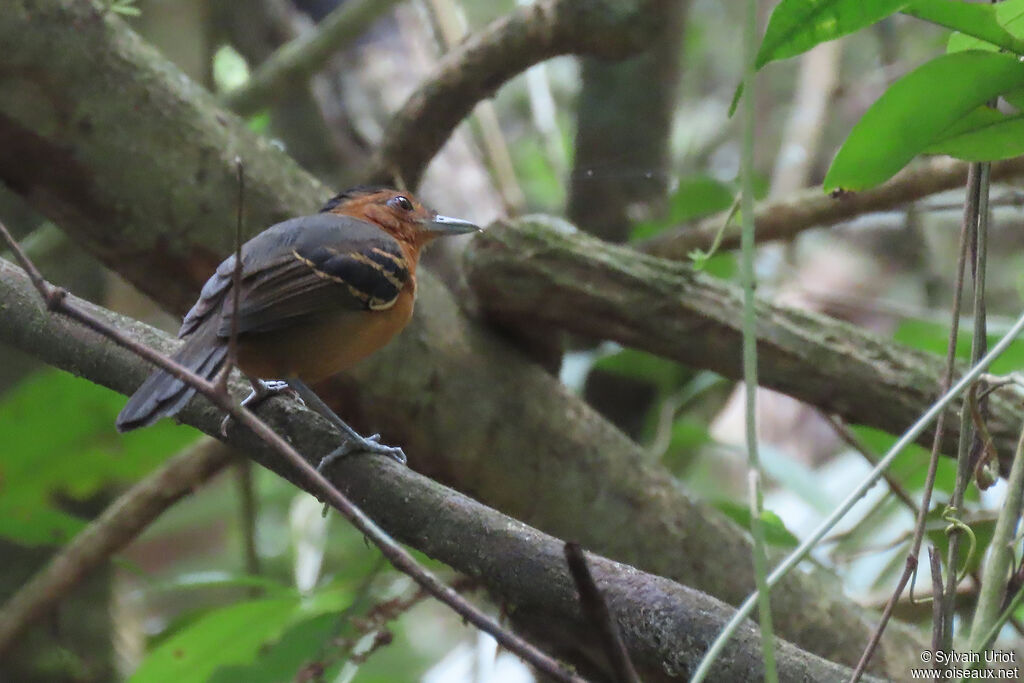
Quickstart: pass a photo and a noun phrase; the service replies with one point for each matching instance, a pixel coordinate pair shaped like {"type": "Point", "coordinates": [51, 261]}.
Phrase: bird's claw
{"type": "Point", "coordinates": [367, 444]}
{"type": "Point", "coordinates": [262, 390]}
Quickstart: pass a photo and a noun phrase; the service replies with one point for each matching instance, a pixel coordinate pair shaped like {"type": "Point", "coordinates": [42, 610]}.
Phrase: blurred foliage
{"type": "Point", "coordinates": [60, 443]}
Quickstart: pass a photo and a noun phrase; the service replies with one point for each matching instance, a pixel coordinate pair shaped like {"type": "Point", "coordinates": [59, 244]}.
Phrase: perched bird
{"type": "Point", "coordinates": [318, 294]}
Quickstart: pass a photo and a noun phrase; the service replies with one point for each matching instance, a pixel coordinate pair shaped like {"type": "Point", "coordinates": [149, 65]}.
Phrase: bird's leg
{"type": "Point", "coordinates": [261, 391]}
{"type": "Point", "coordinates": [354, 440]}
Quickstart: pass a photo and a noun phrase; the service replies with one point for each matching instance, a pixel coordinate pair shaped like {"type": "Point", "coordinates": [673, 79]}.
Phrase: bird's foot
{"type": "Point", "coordinates": [261, 391]}
{"type": "Point", "coordinates": [362, 444]}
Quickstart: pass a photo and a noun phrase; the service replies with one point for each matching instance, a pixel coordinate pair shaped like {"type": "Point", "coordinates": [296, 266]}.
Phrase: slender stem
{"type": "Point", "coordinates": [1000, 560]}
{"type": "Point", "coordinates": [913, 557]}
{"type": "Point", "coordinates": [935, 562]}
{"type": "Point", "coordinates": [236, 282]}
{"type": "Point", "coordinates": [247, 516]}
{"type": "Point", "coordinates": [975, 218]}
{"type": "Point", "coordinates": [760, 559]}
{"type": "Point", "coordinates": [804, 549]}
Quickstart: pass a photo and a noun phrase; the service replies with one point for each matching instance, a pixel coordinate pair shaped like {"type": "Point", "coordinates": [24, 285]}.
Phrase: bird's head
{"type": "Point", "coordinates": [399, 213]}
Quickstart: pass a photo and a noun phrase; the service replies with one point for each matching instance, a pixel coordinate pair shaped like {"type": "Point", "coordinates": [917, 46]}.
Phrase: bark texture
{"type": "Point", "coordinates": [542, 270]}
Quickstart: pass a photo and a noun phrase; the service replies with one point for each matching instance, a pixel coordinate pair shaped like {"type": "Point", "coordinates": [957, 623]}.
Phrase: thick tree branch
{"type": "Point", "coordinates": [785, 218]}
{"type": "Point", "coordinates": [666, 626]}
{"type": "Point", "coordinates": [135, 163]}
{"type": "Point", "coordinates": [109, 533]}
{"type": "Point", "coordinates": [542, 270]}
{"type": "Point", "coordinates": [490, 57]}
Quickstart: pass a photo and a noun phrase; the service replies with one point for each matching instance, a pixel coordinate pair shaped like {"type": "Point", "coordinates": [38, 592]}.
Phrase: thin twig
{"type": "Point", "coordinates": [975, 220]}
{"type": "Point", "coordinates": [596, 610]}
{"type": "Point", "coordinates": [786, 217]}
{"type": "Point", "coordinates": [910, 569]}
{"type": "Point", "coordinates": [936, 570]}
{"type": "Point", "coordinates": [55, 299]}
{"type": "Point", "coordinates": [749, 278]}
{"type": "Point", "coordinates": [236, 283]}
{"type": "Point", "coordinates": [115, 528]}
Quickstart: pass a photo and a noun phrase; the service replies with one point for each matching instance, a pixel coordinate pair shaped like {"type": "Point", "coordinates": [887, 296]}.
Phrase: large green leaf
{"type": "Point", "coordinates": [229, 636]}
{"type": "Point", "coordinates": [934, 337]}
{"type": "Point", "coordinates": [982, 22]}
{"type": "Point", "coordinates": [300, 645]}
{"type": "Point", "coordinates": [915, 111]}
{"type": "Point", "coordinates": [696, 196]}
{"type": "Point", "coordinates": [1002, 137]}
{"type": "Point", "coordinates": [798, 25]}
{"type": "Point", "coordinates": [59, 437]}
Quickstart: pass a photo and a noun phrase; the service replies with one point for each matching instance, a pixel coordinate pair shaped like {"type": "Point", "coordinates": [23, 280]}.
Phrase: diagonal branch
{"type": "Point", "coordinates": [781, 219]}
{"type": "Point", "coordinates": [567, 279]}
{"type": "Point", "coordinates": [305, 55]}
{"type": "Point", "coordinates": [665, 625]}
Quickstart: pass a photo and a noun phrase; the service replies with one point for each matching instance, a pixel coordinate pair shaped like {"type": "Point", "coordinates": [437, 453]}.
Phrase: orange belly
{"type": "Point", "coordinates": [322, 347]}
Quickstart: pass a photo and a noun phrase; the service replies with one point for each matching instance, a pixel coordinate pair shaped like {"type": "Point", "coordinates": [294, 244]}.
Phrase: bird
{"type": "Point", "coordinates": [317, 295]}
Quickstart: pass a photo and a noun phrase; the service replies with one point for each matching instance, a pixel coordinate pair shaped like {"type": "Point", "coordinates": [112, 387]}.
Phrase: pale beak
{"type": "Point", "coordinates": [446, 225]}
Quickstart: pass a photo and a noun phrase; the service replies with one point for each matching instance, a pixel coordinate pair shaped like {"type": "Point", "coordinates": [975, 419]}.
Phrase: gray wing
{"type": "Point", "coordinates": [302, 267]}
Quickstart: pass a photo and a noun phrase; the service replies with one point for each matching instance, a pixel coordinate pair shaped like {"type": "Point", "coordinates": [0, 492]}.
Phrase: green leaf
{"type": "Point", "coordinates": [976, 20]}
{"type": "Point", "coordinates": [910, 468]}
{"type": "Point", "coordinates": [798, 25]}
{"type": "Point", "coordinates": [299, 646]}
{"type": "Point", "coordinates": [1002, 137]}
{"type": "Point", "coordinates": [933, 337]}
{"type": "Point", "coordinates": [644, 366]}
{"type": "Point", "coordinates": [696, 196]}
{"type": "Point", "coordinates": [775, 532]}
{"type": "Point", "coordinates": [915, 111]}
{"type": "Point", "coordinates": [224, 637]}
{"type": "Point", "coordinates": [59, 437]}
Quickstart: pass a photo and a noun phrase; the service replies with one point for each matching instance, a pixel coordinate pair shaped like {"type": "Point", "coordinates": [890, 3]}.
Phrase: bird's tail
{"type": "Point", "coordinates": [163, 394]}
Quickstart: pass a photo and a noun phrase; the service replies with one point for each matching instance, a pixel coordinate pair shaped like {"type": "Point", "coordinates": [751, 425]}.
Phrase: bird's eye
{"type": "Point", "coordinates": [401, 202]}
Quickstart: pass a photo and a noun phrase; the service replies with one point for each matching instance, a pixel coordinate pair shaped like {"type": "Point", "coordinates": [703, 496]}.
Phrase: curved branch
{"type": "Point", "coordinates": [570, 280]}
{"type": "Point", "coordinates": [490, 57]}
{"type": "Point", "coordinates": [109, 533]}
{"type": "Point", "coordinates": [666, 626]}
{"type": "Point", "coordinates": [785, 218]}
